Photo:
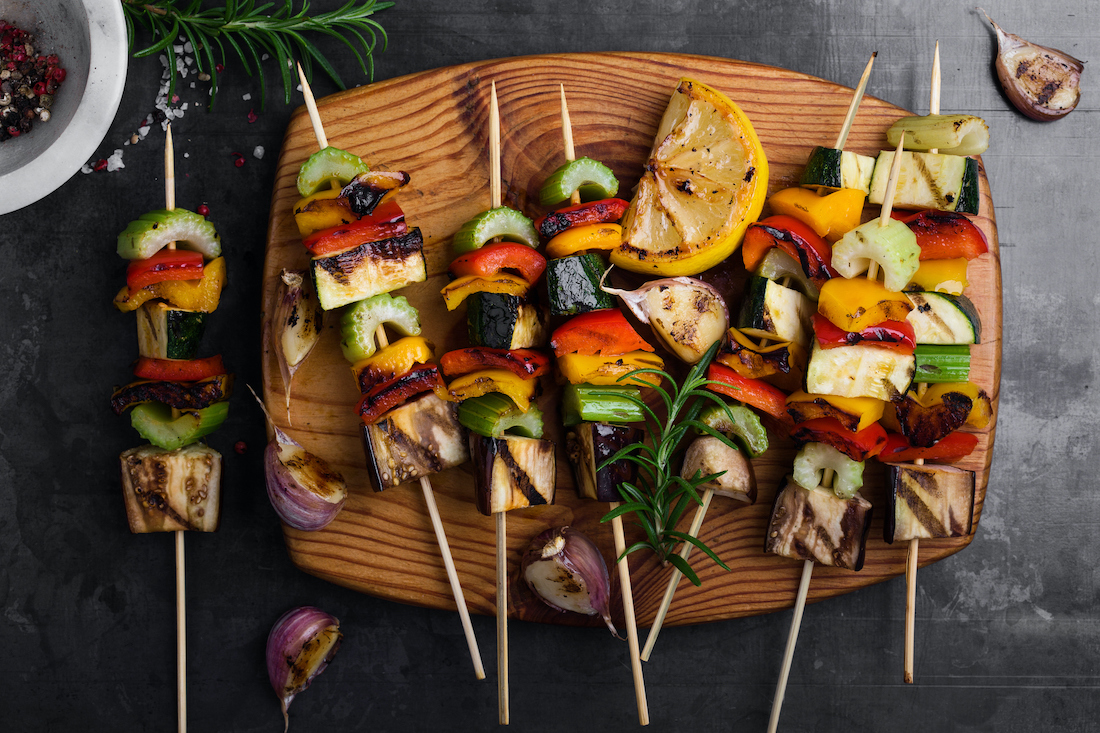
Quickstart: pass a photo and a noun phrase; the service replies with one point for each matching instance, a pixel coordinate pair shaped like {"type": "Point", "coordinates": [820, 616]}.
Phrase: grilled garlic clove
{"type": "Point", "coordinates": [301, 644]}
{"type": "Point", "coordinates": [1041, 82]}
{"type": "Point", "coordinates": [566, 570]}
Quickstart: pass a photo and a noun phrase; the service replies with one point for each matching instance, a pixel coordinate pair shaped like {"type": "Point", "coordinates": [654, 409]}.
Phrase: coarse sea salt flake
{"type": "Point", "coordinates": [247, 97]}
{"type": "Point", "coordinates": [258, 153]}
{"type": "Point", "coordinates": [115, 161]}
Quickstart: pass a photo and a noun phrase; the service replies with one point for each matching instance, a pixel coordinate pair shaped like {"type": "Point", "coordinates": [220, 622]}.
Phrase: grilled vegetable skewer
{"type": "Point", "coordinates": [622, 564]}
{"type": "Point", "coordinates": [425, 484]}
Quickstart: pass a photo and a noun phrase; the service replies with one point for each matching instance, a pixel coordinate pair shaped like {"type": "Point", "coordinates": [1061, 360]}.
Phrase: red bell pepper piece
{"type": "Point", "coordinates": [952, 447]}
{"type": "Point", "coordinates": [753, 392]}
{"type": "Point", "coordinates": [857, 446]}
{"type": "Point", "coordinates": [593, 212]}
{"type": "Point", "coordinates": [944, 235]}
{"type": "Point", "coordinates": [524, 363]}
{"type": "Point", "coordinates": [388, 395]}
{"type": "Point", "coordinates": [386, 221]}
{"type": "Point", "coordinates": [178, 370]}
{"type": "Point", "coordinates": [793, 237]}
{"type": "Point", "coordinates": [492, 259]}
{"type": "Point", "coordinates": [167, 264]}
{"type": "Point", "coordinates": [603, 332]}
{"type": "Point", "coordinates": [894, 335]}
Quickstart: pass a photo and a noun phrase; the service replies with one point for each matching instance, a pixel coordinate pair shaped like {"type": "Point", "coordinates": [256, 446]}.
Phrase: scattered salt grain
{"type": "Point", "coordinates": [115, 161]}
{"type": "Point", "coordinates": [258, 153]}
{"type": "Point", "coordinates": [247, 97]}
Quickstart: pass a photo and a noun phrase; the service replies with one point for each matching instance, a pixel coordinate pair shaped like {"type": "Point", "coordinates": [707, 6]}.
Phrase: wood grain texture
{"type": "Point", "coordinates": [434, 125]}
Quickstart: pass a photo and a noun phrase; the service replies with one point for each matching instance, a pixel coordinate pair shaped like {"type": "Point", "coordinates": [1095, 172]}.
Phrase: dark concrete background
{"type": "Point", "coordinates": [1007, 631]}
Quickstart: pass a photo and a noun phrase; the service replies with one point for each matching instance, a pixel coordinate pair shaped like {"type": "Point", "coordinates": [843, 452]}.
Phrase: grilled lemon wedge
{"type": "Point", "coordinates": [704, 183]}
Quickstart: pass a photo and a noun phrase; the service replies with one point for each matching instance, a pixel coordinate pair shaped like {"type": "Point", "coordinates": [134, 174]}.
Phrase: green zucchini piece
{"type": "Point", "coordinates": [503, 222]}
{"type": "Point", "coordinates": [592, 178]}
{"type": "Point", "coordinates": [772, 311]}
{"type": "Point", "coordinates": [372, 268]}
{"type": "Point", "coordinates": [777, 265]}
{"type": "Point", "coordinates": [892, 245]}
{"type": "Point", "coordinates": [739, 424]}
{"type": "Point", "coordinates": [941, 363]}
{"type": "Point", "coordinates": [947, 134]}
{"type": "Point", "coordinates": [968, 196]}
{"type": "Point", "coordinates": [502, 321]}
{"type": "Point", "coordinates": [862, 370]}
{"type": "Point", "coordinates": [360, 322]}
{"type": "Point", "coordinates": [494, 414]}
{"type": "Point", "coordinates": [327, 164]}
{"type": "Point", "coordinates": [832, 169]}
{"type": "Point", "coordinates": [942, 318]}
{"type": "Point", "coordinates": [151, 232]}
{"type": "Point", "coordinates": [165, 332]}
{"type": "Point", "coordinates": [812, 460]}
{"type": "Point", "coordinates": [600, 404]}
{"type": "Point", "coordinates": [573, 284]}
{"type": "Point", "coordinates": [154, 422]}
{"type": "Point", "coordinates": [926, 180]}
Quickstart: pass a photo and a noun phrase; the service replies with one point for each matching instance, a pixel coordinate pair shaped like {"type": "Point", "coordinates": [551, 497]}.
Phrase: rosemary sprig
{"type": "Point", "coordinates": [660, 495]}
{"type": "Point", "coordinates": [250, 31]}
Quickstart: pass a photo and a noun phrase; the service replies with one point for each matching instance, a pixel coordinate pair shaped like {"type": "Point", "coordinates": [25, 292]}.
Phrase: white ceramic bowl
{"type": "Point", "coordinates": [90, 38]}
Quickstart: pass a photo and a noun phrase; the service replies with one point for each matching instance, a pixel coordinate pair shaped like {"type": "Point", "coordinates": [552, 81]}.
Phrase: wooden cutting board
{"type": "Point", "coordinates": [434, 125]}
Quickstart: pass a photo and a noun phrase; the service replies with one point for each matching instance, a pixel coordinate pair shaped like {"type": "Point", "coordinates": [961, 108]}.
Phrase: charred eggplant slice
{"type": "Point", "coordinates": [171, 490]}
{"type": "Point", "coordinates": [180, 395]}
{"type": "Point", "coordinates": [589, 445]}
{"type": "Point", "coordinates": [419, 438]}
{"type": "Point", "coordinates": [814, 524]}
{"type": "Point", "coordinates": [709, 455]}
{"type": "Point", "coordinates": [511, 472]}
{"type": "Point", "coordinates": [928, 501]}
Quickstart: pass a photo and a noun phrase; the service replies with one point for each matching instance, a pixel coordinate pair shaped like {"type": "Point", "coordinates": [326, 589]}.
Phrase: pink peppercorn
{"type": "Point", "coordinates": [204, 210]}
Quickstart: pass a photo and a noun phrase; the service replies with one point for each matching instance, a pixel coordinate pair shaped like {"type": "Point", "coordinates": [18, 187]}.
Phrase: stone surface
{"type": "Point", "coordinates": [1007, 631]}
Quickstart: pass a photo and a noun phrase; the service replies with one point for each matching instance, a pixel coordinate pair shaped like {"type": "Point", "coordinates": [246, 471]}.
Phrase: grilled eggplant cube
{"type": "Point", "coordinates": [928, 501]}
{"type": "Point", "coordinates": [589, 444]}
{"type": "Point", "coordinates": [772, 311]}
{"type": "Point", "coordinates": [419, 438]}
{"type": "Point", "coordinates": [708, 455]}
{"type": "Point", "coordinates": [511, 472]}
{"type": "Point", "coordinates": [502, 321]}
{"type": "Point", "coordinates": [171, 490]}
{"type": "Point", "coordinates": [862, 370]}
{"type": "Point", "coordinates": [369, 269]}
{"type": "Point", "coordinates": [815, 524]}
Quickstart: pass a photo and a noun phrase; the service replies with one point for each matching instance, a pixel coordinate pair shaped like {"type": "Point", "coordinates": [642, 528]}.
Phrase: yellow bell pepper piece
{"type": "Point", "coordinates": [830, 216]}
{"type": "Point", "coordinates": [395, 359]}
{"type": "Point", "coordinates": [941, 276]}
{"type": "Point", "coordinates": [857, 303]}
{"type": "Point", "coordinates": [458, 290]}
{"type": "Point", "coordinates": [602, 370]}
{"type": "Point", "coordinates": [475, 384]}
{"type": "Point", "coordinates": [981, 410]}
{"type": "Point", "coordinates": [868, 409]}
{"type": "Point", "coordinates": [585, 238]}
{"type": "Point", "coordinates": [196, 295]}
{"type": "Point", "coordinates": [322, 210]}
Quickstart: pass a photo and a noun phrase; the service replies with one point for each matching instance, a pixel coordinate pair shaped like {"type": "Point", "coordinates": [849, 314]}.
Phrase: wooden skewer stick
{"type": "Point", "coordinates": [425, 484]}
{"type": "Point", "coordinates": [496, 199]}
{"type": "Point", "coordinates": [567, 134]}
{"type": "Point", "coordinates": [674, 580]}
{"type": "Point", "coordinates": [796, 624]}
{"type": "Point", "coordinates": [617, 523]}
{"type": "Point", "coordinates": [181, 586]}
{"type": "Point", "coordinates": [842, 137]}
{"type": "Point", "coordinates": [914, 544]}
